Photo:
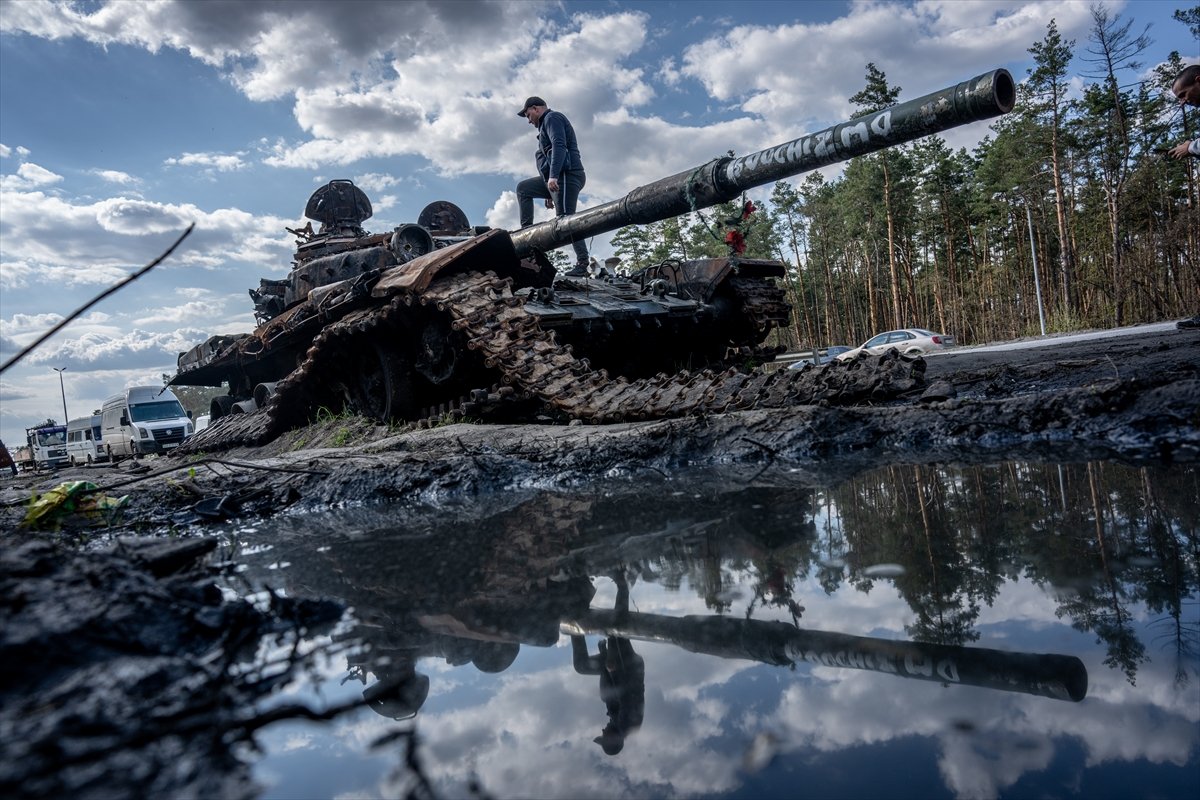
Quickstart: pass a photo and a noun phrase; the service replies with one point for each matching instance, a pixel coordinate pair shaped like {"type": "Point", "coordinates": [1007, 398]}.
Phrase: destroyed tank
{"type": "Point", "coordinates": [440, 319]}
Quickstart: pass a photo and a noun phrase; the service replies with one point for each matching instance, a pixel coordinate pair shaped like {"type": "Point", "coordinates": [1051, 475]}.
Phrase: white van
{"type": "Point", "coordinates": [143, 419]}
{"type": "Point", "coordinates": [84, 443]}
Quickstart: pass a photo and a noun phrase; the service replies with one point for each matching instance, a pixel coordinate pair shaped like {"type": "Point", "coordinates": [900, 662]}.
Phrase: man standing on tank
{"type": "Point", "coordinates": [561, 169]}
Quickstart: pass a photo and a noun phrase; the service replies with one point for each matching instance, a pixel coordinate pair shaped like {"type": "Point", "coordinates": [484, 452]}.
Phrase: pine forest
{"type": "Point", "coordinates": [1071, 199]}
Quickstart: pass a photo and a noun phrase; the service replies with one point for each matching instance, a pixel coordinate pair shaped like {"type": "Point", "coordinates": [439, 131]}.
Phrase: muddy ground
{"type": "Point", "coordinates": [1133, 399]}
{"type": "Point", "coordinates": [122, 662]}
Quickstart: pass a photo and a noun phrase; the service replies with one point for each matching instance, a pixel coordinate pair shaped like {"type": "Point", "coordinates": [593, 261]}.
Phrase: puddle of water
{"type": "Point", "coordinates": [1012, 630]}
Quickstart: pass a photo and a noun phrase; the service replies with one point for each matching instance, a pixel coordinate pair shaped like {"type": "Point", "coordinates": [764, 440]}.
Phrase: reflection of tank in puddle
{"type": "Point", "coordinates": [400, 690]}
{"type": "Point", "coordinates": [421, 616]}
{"type": "Point", "coordinates": [517, 543]}
{"type": "Point", "coordinates": [473, 592]}
{"type": "Point", "coordinates": [415, 595]}
{"type": "Point", "coordinates": [777, 643]}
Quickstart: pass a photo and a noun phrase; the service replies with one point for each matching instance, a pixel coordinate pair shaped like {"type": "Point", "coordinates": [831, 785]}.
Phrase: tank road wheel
{"type": "Point", "coordinates": [220, 406]}
{"type": "Point", "coordinates": [376, 383]}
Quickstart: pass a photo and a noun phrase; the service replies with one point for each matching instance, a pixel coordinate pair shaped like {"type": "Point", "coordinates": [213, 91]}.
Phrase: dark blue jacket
{"type": "Point", "coordinates": [557, 145]}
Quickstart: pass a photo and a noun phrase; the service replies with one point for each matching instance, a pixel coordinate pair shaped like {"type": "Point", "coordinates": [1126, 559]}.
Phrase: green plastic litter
{"type": "Point", "coordinates": [71, 501]}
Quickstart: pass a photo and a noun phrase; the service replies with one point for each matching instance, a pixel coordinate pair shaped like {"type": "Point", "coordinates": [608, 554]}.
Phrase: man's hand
{"type": "Point", "coordinates": [1179, 151]}
{"type": "Point", "coordinates": [552, 185]}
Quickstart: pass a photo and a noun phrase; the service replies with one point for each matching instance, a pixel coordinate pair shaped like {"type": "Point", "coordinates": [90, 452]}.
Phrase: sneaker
{"type": "Point", "coordinates": [1189, 324]}
{"type": "Point", "coordinates": [578, 271]}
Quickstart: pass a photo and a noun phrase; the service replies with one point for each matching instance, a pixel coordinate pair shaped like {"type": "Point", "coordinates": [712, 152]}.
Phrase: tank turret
{"type": "Point", "coordinates": [439, 317]}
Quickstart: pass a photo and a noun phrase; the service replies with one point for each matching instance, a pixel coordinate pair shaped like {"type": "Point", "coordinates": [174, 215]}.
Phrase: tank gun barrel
{"type": "Point", "coordinates": [982, 97]}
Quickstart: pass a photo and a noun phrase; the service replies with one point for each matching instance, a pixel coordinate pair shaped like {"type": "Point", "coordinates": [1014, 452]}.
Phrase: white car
{"type": "Point", "coordinates": [909, 341]}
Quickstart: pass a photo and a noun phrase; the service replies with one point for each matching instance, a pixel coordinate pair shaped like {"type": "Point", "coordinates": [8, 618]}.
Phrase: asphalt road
{"type": "Point", "coordinates": [1060, 339]}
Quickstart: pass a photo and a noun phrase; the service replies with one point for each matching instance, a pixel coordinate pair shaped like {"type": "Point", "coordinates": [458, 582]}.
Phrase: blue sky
{"type": "Point", "coordinates": [123, 122]}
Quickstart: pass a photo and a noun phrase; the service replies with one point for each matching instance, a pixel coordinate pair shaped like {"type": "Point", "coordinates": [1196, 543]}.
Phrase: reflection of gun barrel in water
{"type": "Point", "coordinates": [1057, 676]}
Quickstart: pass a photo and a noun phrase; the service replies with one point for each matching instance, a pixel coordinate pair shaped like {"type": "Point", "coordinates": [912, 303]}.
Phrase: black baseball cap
{"type": "Point", "coordinates": [532, 101]}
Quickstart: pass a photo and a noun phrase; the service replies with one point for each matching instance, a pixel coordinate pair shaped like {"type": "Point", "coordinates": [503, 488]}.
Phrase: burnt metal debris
{"type": "Point", "coordinates": [440, 319]}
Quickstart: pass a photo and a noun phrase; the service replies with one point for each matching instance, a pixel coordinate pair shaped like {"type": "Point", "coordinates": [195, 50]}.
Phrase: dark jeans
{"type": "Point", "coordinates": [569, 186]}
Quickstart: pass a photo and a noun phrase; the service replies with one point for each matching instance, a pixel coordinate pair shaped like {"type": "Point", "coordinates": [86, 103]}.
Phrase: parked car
{"type": "Point", "coordinates": [909, 341]}
{"type": "Point", "coordinates": [824, 357]}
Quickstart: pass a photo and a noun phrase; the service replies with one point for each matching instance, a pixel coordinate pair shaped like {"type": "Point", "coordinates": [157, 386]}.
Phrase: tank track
{"type": "Point", "coordinates": [531, 365]}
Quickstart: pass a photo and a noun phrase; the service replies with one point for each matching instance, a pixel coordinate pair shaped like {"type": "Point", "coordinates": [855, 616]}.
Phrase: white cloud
{"type": "Point", "coordinates": [980, 766]}
{"type": "Point", "coordinates": [195, 311]}
{"type": "Point", "coordinates": [444, 85]}
{"type": "Point", "coordinates": [134, 348]}
{"type": "Point", "coordinates": [28, 176]}
{"type": "Point", "coordinates": [96, 335]}
{"type": "Point", "coordinates": [371, 93]}
{"type": "Point", "coordinates": [115, 176]}
{"type": "Point", "coordinates": [376, 182]}
{"type": "Point", "coordinates": [922, 48]}
{"type": "Point", "coordinates": [668, 72]}
{"type": "Point", "coordinates": [11, 392]}
{"type": "Point", "coordinates": [132, 217]}
{"type": "Point", "coordinates": [505, 214]}
{"type": "Point", "coordinates": [101, 242]}
{"type": "Point", "coordinates": [16, 274]}
{"type": "Point", "coordinates": [260, 44]}
{"type": "Point", "coordinates": [28, 323]}
{"type": "Point", "coordinates": [220, 162]}
{"type": "Point", "coordinates": [65, 276]}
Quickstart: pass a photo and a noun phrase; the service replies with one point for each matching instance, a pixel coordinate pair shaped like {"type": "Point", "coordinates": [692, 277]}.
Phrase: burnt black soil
{"type": "Point", "coordinates": [124, 672]}
{"type": "Point", "coordinates": [121, 659]}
